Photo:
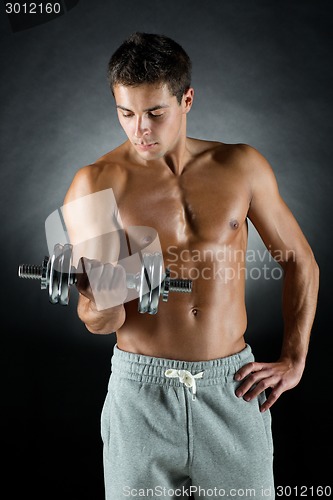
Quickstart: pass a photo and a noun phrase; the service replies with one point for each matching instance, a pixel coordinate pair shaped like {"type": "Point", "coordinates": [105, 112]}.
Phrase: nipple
{"type": "Point", "coordinates": [234, 224]}
{"type": "Point", "coordinates": [147, 239]}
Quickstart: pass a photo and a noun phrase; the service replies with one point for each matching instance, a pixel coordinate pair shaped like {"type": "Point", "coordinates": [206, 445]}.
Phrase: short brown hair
{"type": "Point", "coordinates": [151, 58]}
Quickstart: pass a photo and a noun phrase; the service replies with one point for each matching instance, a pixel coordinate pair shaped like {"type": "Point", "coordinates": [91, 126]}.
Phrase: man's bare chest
{"type": "Point", "coordinates": [206, 207]}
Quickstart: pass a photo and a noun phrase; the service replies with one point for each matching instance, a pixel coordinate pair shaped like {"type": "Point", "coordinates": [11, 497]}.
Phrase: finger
{"type": "Point", "coordinates": [104, 280]}
{"type": "Point", "coordinates": [273, 396]}
{"type": "Point", "coordinates": [254, 380]}
{"type": "Point", "coordinates": [111, 289]}
{"type": "Point", "coordinates": [247, 369]}
{"type": "Point", "coordinates": [255, 390]}
{"type": "Point", "coordinates": [82, 281]}
{"type": "Point", "coordinates": [85, 265]}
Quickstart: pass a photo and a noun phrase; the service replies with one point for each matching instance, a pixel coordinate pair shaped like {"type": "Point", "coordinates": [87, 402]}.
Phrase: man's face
{"type": "Point", "coordinates": [151, 117]}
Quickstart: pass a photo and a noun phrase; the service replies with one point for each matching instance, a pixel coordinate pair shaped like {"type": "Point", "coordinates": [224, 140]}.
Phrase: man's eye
{"type": "Point", "coordinates": [127, 116]}
{"type": "Point", "coordinates": [151, 115]}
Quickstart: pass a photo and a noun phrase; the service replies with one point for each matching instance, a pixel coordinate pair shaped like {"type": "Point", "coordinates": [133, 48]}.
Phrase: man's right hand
{"type": "Point", "coordinates": [103, 284]}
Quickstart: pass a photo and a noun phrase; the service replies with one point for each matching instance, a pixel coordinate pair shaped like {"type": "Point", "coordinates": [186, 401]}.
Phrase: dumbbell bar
{"type": "Point", "coordinates": [57, 275]}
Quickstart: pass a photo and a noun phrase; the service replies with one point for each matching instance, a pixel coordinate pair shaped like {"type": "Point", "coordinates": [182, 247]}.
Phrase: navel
{"type": "Point", "coordinates": [194, 311]}
{"type": "Point", "coordinates": [234, 224]}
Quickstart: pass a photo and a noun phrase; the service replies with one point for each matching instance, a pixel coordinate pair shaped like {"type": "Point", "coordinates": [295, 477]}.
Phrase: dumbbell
{"type": "Point", "coordinates": [57, 275]}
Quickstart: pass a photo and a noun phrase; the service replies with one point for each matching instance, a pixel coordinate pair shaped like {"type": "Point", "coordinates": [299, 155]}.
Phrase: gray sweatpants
{"type": "Point", "coordinates": [174, 428]}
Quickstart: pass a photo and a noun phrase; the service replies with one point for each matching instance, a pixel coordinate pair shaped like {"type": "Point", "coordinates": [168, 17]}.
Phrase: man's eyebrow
{"type": "Point", "coordinates": [153, 108]}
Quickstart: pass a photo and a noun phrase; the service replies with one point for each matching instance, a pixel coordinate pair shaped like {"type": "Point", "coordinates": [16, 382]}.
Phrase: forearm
{"type": "Point", "coordinates": [100, 322]}
{"type": "Point", "coordinates": [300, 292]}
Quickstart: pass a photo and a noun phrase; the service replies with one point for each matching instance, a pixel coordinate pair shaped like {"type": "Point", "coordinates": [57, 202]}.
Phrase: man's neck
{"type": "Point", "coordinates": [174, 160]}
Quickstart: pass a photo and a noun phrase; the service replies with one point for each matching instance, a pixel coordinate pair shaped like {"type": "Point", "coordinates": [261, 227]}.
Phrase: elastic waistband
{"type": "Point", "coordinates": [149, 369]}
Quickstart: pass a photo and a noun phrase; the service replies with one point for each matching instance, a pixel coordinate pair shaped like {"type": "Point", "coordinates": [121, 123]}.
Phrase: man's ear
{"type": "Point", "coordinates": [187, 100]}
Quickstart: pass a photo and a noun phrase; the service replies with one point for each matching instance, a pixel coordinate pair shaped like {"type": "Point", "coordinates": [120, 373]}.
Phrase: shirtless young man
{"type": "Point", "coordinates": [198, 196]}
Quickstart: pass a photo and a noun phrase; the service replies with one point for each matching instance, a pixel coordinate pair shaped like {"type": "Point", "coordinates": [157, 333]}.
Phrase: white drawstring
{"type": "Point", "coordinates": [186, 378]}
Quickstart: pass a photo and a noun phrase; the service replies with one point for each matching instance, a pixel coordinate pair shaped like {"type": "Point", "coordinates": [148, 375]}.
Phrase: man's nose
{"type": "Point", "coordinates": [141, 128]}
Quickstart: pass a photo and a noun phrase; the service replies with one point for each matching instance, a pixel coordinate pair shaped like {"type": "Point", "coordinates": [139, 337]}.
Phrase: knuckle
{"type": "Point", "coordinates": [273, 395]}
{"type": "Point", "coordinates": [265, 384]}
{"type": "Point", "coordinates": [284, 385]}
{"type": "Point", "coordinates": [253, 365]}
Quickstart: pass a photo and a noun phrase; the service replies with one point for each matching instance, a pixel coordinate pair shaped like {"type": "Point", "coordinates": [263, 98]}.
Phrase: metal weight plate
{"type": "Point", "coordinates": [155, 281]}
{"type": "Point", "coordinates": [143, 304]}
{"type": "Point", "coordinates": [65, 275]}
{"type": "Point", "coordinates": [55, 271]}
{"type": "Point", "coordinates": [151, 273]}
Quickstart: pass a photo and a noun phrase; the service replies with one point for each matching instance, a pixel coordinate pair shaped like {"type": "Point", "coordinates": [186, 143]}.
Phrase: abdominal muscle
{"type": "Point", "coordinates": [206, 324]}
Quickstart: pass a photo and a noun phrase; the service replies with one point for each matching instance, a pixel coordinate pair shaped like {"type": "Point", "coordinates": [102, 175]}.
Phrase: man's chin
{"type": "Point", "coordinates": [150, 154]}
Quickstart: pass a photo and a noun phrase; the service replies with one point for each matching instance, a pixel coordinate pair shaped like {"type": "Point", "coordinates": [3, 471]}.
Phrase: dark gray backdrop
{"type": "Point", "coordinates": [262, 75]}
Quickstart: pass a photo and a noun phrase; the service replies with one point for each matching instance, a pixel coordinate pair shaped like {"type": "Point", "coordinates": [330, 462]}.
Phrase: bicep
{"type": "Point", "coordinates": [92, 219]}
{"type": "Point", "coordinates": [273, 219]}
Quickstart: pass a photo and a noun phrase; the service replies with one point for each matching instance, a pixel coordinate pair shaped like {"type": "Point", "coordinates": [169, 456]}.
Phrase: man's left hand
{"type": "Point", "coordinates": [257, 377]}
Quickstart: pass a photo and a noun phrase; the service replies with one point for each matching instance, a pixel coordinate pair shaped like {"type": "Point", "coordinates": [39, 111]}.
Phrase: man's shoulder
{"type": "Point", "coordinates": [240, 156]}
{"type": "Point", "coordinates": [219, 149]}
{"type": "Point", "coordinates": [238, 151]}
{"type": "Point", "coordinates": [104, 173]}
{"type": "Point", "coordinates": [109, 164]}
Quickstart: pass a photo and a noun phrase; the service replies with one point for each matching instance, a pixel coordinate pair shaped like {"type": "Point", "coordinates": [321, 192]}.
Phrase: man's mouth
{"type": "Point", "coordinates": [145, 146]}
